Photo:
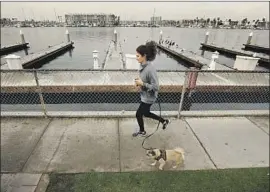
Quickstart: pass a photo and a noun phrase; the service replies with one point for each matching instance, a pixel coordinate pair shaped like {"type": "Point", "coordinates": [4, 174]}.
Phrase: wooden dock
{"type": "Point", "coordinates": [263, 59]}
{"type": "Point", "coordinates": [257, 48]}
{"type": "Point", "coordinates": [36, 59]}
{"type": "Point", "coordinates": [13, 48]}
{"type": "Point", "coordinates": [188, 58]}
{"type": "Point", "coordinates": [191, 59]}
{"type": "Point", "coordinates": [113, 59]}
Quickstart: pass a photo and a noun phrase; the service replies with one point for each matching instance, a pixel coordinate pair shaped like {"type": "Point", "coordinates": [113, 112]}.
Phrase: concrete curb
{"type": "Point", "coordinates": [224, 113]}
{"type": "Point", "coordinates": [43, 183]}
{"type": "Point", "coordinates": [128, 114]}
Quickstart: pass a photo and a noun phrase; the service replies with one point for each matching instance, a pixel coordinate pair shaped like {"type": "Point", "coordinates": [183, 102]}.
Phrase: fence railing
{"type": "Point", "coordinates": [112, 92]}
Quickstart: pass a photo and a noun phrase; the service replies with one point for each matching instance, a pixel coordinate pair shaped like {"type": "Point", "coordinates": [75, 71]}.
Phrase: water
{"type": "Point", "coordinates": [86, 40]}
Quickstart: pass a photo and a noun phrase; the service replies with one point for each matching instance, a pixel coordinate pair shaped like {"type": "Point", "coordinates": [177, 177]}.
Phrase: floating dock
{"type": "Point", "coordinates": [257, 48]}
{"type": "Point", "coordinates": [13, 48]}
{"type": "Point", "coordinates": [114, 57]}
{"type": "Point", "coordinates": [263, 59]}
{"type": "Point", "coordinates": [35, 60]}
{"type": "Point", "coordinates": [191, 59]}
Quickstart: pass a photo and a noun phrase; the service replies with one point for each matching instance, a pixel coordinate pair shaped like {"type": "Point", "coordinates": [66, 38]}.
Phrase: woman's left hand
{"type": "Point", "coordinates": [138, 82]}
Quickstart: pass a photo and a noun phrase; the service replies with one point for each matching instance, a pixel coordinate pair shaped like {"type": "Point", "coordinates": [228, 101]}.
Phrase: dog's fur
{"type": "Point", "coordinates": [176, 155]}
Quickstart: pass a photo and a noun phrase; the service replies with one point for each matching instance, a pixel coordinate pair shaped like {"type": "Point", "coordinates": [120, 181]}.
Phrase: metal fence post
{"type": "Point", "coordinates": [183, 93]}
{"type": "Point", "coordinates": [40, 95]}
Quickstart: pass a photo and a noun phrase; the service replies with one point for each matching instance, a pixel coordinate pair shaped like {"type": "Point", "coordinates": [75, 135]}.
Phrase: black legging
{"type": "Point", "coordinates": [144, 110]}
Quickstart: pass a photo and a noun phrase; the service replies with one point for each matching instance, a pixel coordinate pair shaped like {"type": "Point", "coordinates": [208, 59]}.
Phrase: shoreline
{"type": "Point", "coordinates": [136, 27]}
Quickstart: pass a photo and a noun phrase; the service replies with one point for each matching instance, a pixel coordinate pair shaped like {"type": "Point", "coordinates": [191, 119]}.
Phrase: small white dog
{"type": "Point", "coordinates": [162, 156]}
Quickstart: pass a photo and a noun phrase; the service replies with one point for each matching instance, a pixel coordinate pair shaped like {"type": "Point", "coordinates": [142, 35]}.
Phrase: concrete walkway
{"type": "Point", "coordinates": [36, 146]}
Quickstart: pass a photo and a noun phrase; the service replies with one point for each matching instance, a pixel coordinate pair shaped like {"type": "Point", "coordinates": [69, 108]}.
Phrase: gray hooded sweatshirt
{"type": "Point", "coordinates": [149, 91]}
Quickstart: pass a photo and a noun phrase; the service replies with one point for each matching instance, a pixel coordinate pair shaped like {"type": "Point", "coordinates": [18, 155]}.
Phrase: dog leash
{"type": "Point", "coordinates": [154, 131]}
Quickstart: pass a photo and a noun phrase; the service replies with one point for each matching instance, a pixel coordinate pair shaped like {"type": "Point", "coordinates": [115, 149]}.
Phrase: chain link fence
{"type": "Point", "coordinates": [20, 92]}
{"type": "Point", "coordinates": [226, 91]}
{"type": "Point", "coordinates": [55, 92]}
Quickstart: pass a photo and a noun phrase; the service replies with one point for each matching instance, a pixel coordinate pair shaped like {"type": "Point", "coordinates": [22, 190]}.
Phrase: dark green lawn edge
{"type": "Point", "coordinates": [222, 180]}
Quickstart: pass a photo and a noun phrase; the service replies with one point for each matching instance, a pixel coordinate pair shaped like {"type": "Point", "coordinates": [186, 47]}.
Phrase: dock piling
{"type": "Point", "coordinates": [206, 37]}
{"type": "Point", "coordinates": [115, 36]}
{"type": "Point", "coordinates": [95, 57]}
{"type": "Point", "coordinates": [160, 36]}
{"type": "Point", "coordinates": [14, 62]}
{"type": "Point", "coordinates": [22, 37]}
{"type": "Point", "coordinates": [205, 41]}
{"type": "Point", "coordinates": [249, 38]}
{"type": "Point", "coordinates": [67, 36]}
{"type": "Point", "coordinates": [212, 65]}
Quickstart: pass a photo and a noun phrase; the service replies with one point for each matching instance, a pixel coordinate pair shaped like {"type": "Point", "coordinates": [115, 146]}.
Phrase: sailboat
{"type": "Point", "coordinates": [154, 23]}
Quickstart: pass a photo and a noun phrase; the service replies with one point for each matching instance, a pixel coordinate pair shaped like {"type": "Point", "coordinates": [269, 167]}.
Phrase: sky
{"type": "Point", "coordinates": [138, 10]}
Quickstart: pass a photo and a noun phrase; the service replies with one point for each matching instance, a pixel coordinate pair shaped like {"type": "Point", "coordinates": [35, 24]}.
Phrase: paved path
{"type": "Point", "coordinates": [36, 146]}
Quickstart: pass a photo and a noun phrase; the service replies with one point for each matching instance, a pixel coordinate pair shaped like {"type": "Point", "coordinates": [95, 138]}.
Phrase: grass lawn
{"type": "Point", "coordinates": [228, 180]}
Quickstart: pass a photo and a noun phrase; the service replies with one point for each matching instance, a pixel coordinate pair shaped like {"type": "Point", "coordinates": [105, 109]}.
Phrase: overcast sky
{"type": "Point", "coordinates": [138, 10]}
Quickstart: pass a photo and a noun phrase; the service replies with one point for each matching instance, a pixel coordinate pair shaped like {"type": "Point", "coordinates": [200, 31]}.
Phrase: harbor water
{"type": "Point", "coordinates": [88, 39]}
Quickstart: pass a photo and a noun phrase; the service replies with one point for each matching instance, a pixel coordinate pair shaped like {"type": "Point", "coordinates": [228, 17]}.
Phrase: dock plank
{"type": "Point", "coordinates": [99, 79]}
{"type": "Point", "coordinates": [233, 79]}
{"type": "Point", "coordinates": [183, 56]}
{"type": "Point", "coordinates": [103, 78]}
{"type": "Point", "coordinates": [261, 56]}
{"type": "Point", "coordinates": [114, 58]}
{"type": "Point", "coordinates": [212, 79]}
{"type": "Point", "coordinates": [17, 79]}
{"type": "Point", "coordinates": [32, 59]}
{"type": "Point", "coordinates": [44, 53]}
{"type": "Point", "coordinates": [191, 57]}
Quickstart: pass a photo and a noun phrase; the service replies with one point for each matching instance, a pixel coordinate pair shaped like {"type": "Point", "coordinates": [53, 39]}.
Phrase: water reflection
{"type": "Point", "coordinates": [26, 51]}
{"type": "Point", "coordinates": [70, 53]}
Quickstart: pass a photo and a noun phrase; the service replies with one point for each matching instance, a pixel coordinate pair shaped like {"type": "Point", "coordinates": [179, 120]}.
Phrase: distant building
{"type": "Point", "coordinates": [155, 20]}
{"type": "Point", "coordinates": [134, 23]}
{"type": "Point", "coordinates": [94, 19]}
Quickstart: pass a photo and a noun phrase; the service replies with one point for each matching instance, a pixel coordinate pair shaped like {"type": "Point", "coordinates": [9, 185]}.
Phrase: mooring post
{"type": "Point", "coordinates": [22, 37]}
{"type": "Point", "coordinates": [206, 37]}
{"type": "Point", "coordinates": [67, 36]}
{"type": "Point", "coordinates": [249, 38]}
{"type": "Point", "coordinates": [95, 57]}
{"type": "Point", "coordinates": [212, 65]}
{"type": "Point", "coordinates": [160, 36]}
{"type": "Point", "coordinates": [14, 62]}
{"type": "Point", "coordinates": [115, 36]}
{"type": "Point", "coordinates": [205, 42]}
